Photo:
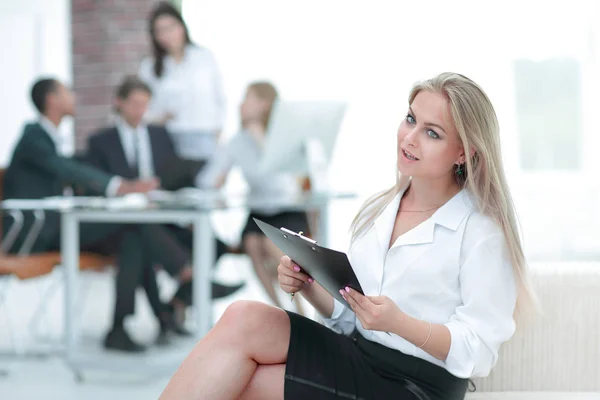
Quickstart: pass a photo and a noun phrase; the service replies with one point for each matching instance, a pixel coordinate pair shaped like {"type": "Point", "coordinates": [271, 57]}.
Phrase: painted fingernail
{"type": "Point", "coordinates": [296, 268]}
{"type": "Point", "coordinates": [342, 292]}
{"type": "Point", "coordinates": [311, 280]}
{"type": "Point", "coordinates": [347, 289]}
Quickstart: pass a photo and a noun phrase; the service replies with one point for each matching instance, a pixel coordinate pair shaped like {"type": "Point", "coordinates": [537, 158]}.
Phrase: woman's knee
{"type": "Point", "coordinates": [238, 312]}
{"type": "Point", "coordinates": [232, 327]}
{"type": "Point", "coordinates": [245, 317]}
{"type": "Point", "coordinates": [256, 329]}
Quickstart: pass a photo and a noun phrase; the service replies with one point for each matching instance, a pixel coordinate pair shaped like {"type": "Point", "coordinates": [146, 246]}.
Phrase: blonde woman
{"type": "Point", "coordinates": [245, 150]}
{"type": "Point", "coordinates": [438, 256]}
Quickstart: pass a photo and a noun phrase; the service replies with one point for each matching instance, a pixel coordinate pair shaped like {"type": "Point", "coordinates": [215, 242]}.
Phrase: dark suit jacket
{"type": "Point", "coordinates": [36, 171]}
{"type": "Point", "coordinates": [106, 152]}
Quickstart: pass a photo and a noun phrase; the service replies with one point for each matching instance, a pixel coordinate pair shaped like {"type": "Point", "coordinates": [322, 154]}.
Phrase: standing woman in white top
{"type": "Point", "coordinates": [438, 256]}
{"type": "Point", "coordinates": [186, 85]}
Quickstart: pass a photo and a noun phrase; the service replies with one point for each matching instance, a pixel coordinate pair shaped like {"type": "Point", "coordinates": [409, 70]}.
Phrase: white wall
{"type": "Point", "coordinates": [369, 53]}
{"type": "Point", "coordinates": [36, 37]}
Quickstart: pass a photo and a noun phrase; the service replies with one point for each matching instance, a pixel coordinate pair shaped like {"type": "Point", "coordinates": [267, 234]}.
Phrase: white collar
{"type": "Point", "coordinates": [450, 216]}
{"type": "Point", "coordinates": [122, 125]}
{"type": "Point", "coordinates": [51, 129]}
{"type": "Point", "coordinates": [170, 62]}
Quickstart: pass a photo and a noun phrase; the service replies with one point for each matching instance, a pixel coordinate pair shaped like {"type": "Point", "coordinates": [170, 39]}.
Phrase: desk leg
{"type": "Point", "coordinates": [203, 258]}
{"type": "Point", "coordinates": [69, 250]}
{"type": "Point", "coordinates": [323, 238]}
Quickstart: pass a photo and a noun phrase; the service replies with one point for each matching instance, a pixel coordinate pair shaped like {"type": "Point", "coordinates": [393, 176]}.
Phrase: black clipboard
{"type": "Point", "coordinates": [330, 268]}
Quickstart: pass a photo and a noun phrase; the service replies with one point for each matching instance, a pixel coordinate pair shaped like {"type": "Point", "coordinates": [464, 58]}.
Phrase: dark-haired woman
{"type": "Point", "coordinates": [186, 84]}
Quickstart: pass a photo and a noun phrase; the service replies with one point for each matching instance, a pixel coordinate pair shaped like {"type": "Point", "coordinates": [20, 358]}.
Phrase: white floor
{"type": "Point", "coordinates": [127, 378]}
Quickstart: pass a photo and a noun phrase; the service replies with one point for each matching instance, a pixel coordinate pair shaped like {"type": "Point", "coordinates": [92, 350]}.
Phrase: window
{"type": "Point", "coordinates": [549, 120]}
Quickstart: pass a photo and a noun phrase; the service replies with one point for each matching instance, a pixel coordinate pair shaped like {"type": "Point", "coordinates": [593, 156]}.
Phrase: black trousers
{"type": "Point", "coordinates": [185, 238]}
{"type": "Point", "coordinates": [139, 247]}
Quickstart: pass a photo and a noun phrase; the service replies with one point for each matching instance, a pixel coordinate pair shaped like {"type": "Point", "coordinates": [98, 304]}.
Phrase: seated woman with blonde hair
{"type": "Point", "coordinates": [439, 259]}
{"type": "Point", "coordinates": [245, 151]}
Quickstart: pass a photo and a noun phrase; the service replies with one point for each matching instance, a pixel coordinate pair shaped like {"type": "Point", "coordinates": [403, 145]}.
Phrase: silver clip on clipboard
{"type": "Point", "coordinates": [330, 268]}
{"type": "Point", "coordinates": [299, 234]}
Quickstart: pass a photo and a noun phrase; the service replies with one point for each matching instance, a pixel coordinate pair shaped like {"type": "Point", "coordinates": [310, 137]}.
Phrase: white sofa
{"type": "Point", "coordinates": [555, 355]}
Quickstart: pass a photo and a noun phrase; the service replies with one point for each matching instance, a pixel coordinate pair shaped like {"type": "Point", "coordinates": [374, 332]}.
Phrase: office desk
{"type": "Point", "coordinates": [189, 207]}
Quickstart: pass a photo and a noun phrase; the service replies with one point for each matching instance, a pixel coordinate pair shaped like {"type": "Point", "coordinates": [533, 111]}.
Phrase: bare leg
{"type": "Point", "coordinates": [270, 262]}
{"type": "Point", "coordinates": [224, 362]}
{"type": "Point", "coordinates": [267, 383]}
{"type": "Point", "coordinates": [253, 244]}
{"type": "Point", "coordinates": [272, 252]}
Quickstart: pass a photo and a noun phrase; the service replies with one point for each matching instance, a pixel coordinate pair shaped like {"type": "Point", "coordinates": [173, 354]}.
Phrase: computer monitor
{"type": "Point", "coordinates": [301, 137]}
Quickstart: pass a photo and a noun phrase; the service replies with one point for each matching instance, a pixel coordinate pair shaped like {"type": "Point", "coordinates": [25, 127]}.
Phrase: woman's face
{"type": "Point", "coordinates": [428, 144]}
{"type": "Point", "coordinates": [253, 108]}
{"type": "Point", "coordinates": [169, 33]}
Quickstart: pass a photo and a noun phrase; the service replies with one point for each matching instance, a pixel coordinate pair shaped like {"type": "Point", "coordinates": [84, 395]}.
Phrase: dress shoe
{"type": "Point", "coordinates": [118, 339]}
{"type": "Point", "coordinates": [176, 320]}
{"type": "Point", "coordinates": [219, 290]}
{"type": "Point", "coordinates": [180, 330]}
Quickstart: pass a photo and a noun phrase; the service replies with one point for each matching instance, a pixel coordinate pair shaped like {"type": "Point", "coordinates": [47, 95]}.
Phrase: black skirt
{"type": "Point", "coordinates": [323, 364]}
{"type": "Point", "coordinates": [293, 220]}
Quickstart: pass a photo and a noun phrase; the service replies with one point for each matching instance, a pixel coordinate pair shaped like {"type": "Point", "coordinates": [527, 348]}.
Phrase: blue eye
{"type": "Point", "coordinates": [432, 134]}
{"type": "Point", "coordinates": [410, 119]}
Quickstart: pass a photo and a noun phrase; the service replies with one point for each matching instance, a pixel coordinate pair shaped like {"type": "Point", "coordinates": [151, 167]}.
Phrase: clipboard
{"type": "Point", "coordinates": [330, 268]}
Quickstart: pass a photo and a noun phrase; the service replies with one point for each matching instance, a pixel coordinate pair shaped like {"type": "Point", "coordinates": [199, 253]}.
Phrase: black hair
{"type": "Point", "coordinates": [163, 8]}
{"type": "Point", "coordinates": [130, 84]}
{"type": "Point", "coordinates": [40, 91]}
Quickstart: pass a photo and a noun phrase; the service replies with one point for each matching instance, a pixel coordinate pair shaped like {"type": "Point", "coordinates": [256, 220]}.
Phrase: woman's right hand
{"type": "Point", "coordinates": [290, 276]}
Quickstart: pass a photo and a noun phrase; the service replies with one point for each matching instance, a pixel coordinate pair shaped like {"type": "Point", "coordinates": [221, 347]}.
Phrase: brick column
{"type": "Point", "coordinates": [109, 40]}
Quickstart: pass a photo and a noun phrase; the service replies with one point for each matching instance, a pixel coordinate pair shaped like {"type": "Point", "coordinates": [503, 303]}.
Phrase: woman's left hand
{"type": "Point", "coordinates": [375, 313]}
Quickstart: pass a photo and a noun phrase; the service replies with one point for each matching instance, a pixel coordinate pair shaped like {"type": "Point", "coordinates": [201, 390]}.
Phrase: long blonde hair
{"type": "Point", "coordinates": [477, 126]}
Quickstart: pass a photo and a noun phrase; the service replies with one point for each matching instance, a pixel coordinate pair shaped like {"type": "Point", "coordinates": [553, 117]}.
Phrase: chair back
{"type": "Point", "coordinates": [2, 171]}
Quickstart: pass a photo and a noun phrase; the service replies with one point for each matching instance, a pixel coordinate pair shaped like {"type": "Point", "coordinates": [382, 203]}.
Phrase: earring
{"type": "Point", "coordinates": [460, 169]}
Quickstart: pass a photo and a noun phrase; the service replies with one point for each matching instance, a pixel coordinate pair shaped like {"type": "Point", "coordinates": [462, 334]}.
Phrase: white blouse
{"type": "Point", "coordinates": [191, 90]}
{"type": "Point", "coordinates": [453, 269]}
{"type": "Point", "coordinates": [246, 153]}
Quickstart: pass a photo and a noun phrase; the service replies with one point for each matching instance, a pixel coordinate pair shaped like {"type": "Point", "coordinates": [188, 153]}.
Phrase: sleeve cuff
{"type": "Point", "coordinates": [460, 360]}
{"type": "Point", "coordinates": [338, 310]}
{"type": "Point", "coordinates": [342, 320]}
{"type": "Point", "coordinates": [113, 186]}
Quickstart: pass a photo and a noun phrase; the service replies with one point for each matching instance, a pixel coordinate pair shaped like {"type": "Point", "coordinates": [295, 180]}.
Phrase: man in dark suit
{"type": "Point", "coordinates": [38, 170]}
{"type": "Point", "coordinates": [134, 150]}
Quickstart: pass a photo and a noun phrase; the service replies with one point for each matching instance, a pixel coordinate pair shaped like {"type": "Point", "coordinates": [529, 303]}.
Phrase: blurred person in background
{"type": "Point", "coordinates": [186, 83]}
{"type": "Point", "coordinates": [38, 170]}
{"type": "Point", "coordinates": [245, 151]}
{"type": "Point", "coordinates": [135, 150]}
